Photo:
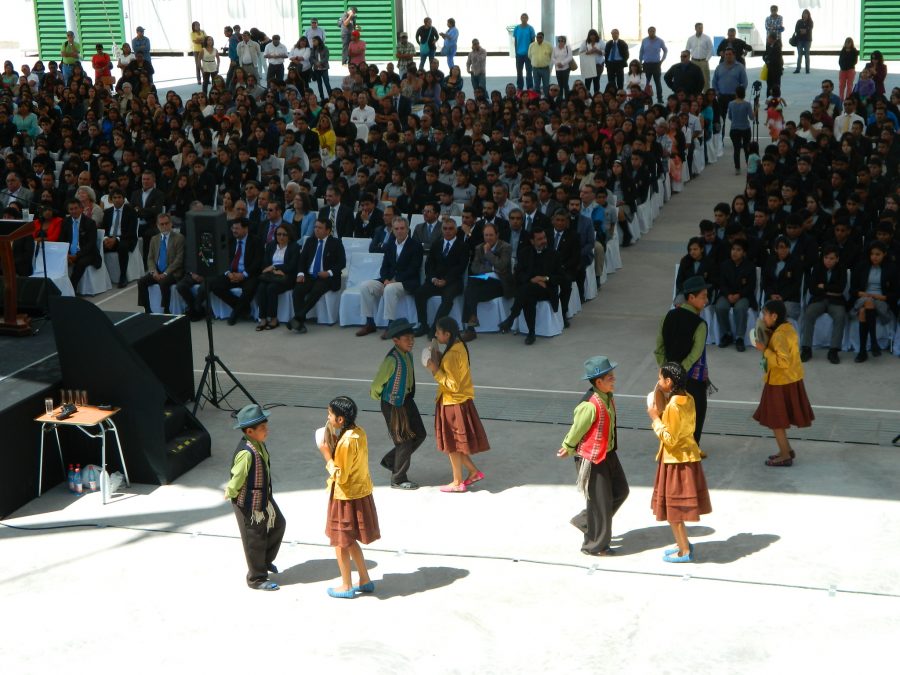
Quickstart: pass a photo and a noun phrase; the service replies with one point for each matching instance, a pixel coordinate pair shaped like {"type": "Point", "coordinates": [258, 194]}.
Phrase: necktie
{"type": "Point", "coordinates": [556, 243]}
{"type": "Point", "coordinates": [116, 220]}
{"type": "Point", "coordinates": [332, 217]}
{"type": "Point", "coordinates": [528, 223]}
{"type": "Point", "coordinates": [163, 261]}
{"type": "Point", "coordinates": [317, 260]}
{"type": "Point", "coordinates": [73, 247]}
{"type": "Point", "coordinates": [236, 261]}
{"type": "Point", "coordinates": [271, 235]}
{"type": "Point", "coordinates": [446, 248]}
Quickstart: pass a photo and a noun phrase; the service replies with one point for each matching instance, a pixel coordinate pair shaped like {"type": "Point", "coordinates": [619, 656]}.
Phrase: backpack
{"type": "Point", "coordinates": [340, 22]}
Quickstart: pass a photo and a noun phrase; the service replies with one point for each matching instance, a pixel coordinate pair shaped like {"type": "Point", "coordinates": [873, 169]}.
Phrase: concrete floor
{"type": "Point", "coordinates": [796, 567]}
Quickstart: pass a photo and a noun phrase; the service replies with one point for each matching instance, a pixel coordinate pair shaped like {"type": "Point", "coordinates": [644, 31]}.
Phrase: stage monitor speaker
{"type": "Point", "coordinates": [206, 248]}
{"type": "Point", "coordinates": [31, 294]}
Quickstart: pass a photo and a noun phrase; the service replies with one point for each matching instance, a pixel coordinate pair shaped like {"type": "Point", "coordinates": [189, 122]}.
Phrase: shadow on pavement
{"type": "Point", "coordinates": [409, 583]}
{"type": "Point", "coordinates": [732, 549]}
{"type": "Point", "coordinates": [314, 571]}
{"type": "Point", "coordinates": [649, 538]}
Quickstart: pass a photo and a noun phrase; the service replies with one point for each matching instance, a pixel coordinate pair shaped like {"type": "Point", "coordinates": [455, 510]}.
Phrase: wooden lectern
{"type": "Point", "coordinates": [12, 322]}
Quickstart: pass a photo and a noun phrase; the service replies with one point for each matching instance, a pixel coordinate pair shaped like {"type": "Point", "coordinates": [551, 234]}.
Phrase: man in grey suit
{"type": "Point", "coordinates": [429, 232]}
{"type": "Point", "coordinates": [165, 264]}
{"type": "Point", "coordinates": [490, 276]}
{"type": "Point", "coordinates": [15, 192]}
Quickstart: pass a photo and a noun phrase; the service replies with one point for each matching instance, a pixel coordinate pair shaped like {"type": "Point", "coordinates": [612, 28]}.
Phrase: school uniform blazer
{"type": "Point", "coordinates": [127, 223]}
{"type": "Point", "coordinates": [707, 269]}
{"type": "Point", "coordinates": [334, 259]}
{"type": "Point", "coordinates": [569, 250]}
{"type": "Point", "coordinates": [832, 291]}
{"type": "Point", "coordinates": [291, 258]}
{"type": "Point", "coordinates": [407, 269]}
{"type": "Point", "coordinates": [739, 279]}
{"type": "Point", "coordinates": [859, 279]}
{"type": "Point", "coordinates": [787, 284]}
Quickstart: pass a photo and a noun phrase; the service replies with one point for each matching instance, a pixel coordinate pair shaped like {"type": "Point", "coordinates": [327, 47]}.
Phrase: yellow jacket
{"type": "Point", "coordinates": [675, 430]}
{"type": "Point", "coordinates": [782, 356]}
{"type": "Point", "coordinates": [454, 377]}
{"type": "Point", "coordinates": [349, 470]}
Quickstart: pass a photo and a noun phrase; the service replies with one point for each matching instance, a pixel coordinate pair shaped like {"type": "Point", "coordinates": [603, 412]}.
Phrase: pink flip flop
{"type": "Point", "coordinates": [474, 479]}
{"type": "Point", "coordinates": [454, 488]}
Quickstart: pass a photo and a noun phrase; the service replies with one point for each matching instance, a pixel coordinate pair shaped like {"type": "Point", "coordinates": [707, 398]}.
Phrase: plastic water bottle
{"type": "Point", "coordinates": [92, 479]}
{"type": "Point", "coordinates": [71, 478]}
{"type": "Point", "coordinates": [79, 487]}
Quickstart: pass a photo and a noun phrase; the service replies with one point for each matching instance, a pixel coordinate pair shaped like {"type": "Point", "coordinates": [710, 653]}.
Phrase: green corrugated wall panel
{"type": "Point", "coordinates": [880, 28]}
{"type": "Point", "coordinates": [50, 20]}
{"type": "Point", "coordinates": [99, 21]}
{"type": "Point", "coordinates": [377, 20]}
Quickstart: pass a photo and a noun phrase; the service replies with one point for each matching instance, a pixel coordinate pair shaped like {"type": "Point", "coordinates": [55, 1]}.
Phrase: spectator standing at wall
{"type": "Point", "coordinates": [314, 30]}
{"type": "Point", "coordinates": [140, 44]}
{"type": "Point", "coordinates": [685, 76]}
{"type": "Point", "coordinates": [562, 64]}
{"type": "Point", "coordinates": [729, 75]}
{"type": "Point", "coordinates": [70, 54]}
{"type": "Point", "coordinates": [523, 36]}
{"type": "Point", "coordinates": [451, 38]}
{"type": "Point", "coordinates": [701, 48]}
{"type": "Point", "coordinates": [209, 62]}
{"type": "Point", "coordinates": [406, 54]}
{"type": "Point", "coordinates": [847, 60]}
{"type": "Point", "coordinates": [774, 22]}
{"type": "Point", "coordinates": [348, 25]}
{"type": "Point", "coordinates": [248, 55]}
{"type": "Point", "coordinates": [426, 38]}
{"type": "Point", "coordinates": [198, 41]}
{"type": "Point", "coordinates": [652, 55]}
{"type": "Point", "coordinates": [616, 56]}
{"type": "Point", "coordinates": [476, 66]}
{"type": "Point", "coordinates": [741, 48]}
{"type": "Point", "coordinates": [540, 53]}
{"type": "Point", "coordinates": [275, 53]}
{"type": "Point", "coordinates": [802, 38]}
{"type": "Point", "coordinates": [233, 38]}
{"type": "Point", "coordinates": [592, 55]}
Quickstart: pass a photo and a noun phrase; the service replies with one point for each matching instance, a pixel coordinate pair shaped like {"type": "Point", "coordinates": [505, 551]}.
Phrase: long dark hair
{"type": "Point", "coordinates": [777, 308]}
{"type": "Point", "coordinates": [344, 406]}
{"type": "Point", "coordinates": [675, 372]}
{"type": "Point", "coordinates": [448, 325]}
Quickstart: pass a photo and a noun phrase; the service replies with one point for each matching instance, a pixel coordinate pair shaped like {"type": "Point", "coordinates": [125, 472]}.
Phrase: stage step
{"type": "Point", "coordinates": [186, 449]}
{"type": "Point", "coordinates": [174, 420]}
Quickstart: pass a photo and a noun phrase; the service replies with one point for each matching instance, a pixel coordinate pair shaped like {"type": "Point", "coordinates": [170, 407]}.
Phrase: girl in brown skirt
{"type": "Point", "coordinates": [457, 427]}
{"type": "Point", "coordinates": [679, 491]}
{"type": "Point", "coordinates": [783, 400]}
{"type": "Point", "coordinates": [351, 510]}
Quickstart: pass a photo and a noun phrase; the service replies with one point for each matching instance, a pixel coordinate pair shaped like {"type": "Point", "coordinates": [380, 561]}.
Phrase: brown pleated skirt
{"type": "Point", "coordinates": [783, 405]}
{"type": "Point", "coordinates": [458, 428]}
{"type": "Point", "coordinates": [352, 520]}
{"type": "Point", "coordinates": [680, 493]}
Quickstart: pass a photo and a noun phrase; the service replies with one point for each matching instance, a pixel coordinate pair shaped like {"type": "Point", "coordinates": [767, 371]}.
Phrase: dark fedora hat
{"type": "Point", "coordinates": [250, 415]}
{"type": "Point", "coordinates": [694, 284]}
{"type": "Point", "coordinates": [597, 366]}
{"type": "Point", "coordinates": [398, 327]}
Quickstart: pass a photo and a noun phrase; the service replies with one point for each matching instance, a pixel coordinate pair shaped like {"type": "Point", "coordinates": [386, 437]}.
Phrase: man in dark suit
{"type": "Point", "coordinates": [402, 106]}
{"type": "Point", "coordinates": [531, 213]}
{"type": "Point", "coordinates": [165, 270]}
{"type": "Point", "coordinates": [369, 218]}
{"type": "Point", "coordinates": [537, 278]}
{"type": "Point", "coordinates": [616, 59]}
{"type": "Point", "coordinates": [120, 225]}
{"type": "Point", "coordinates": [226, 170]}
{"type": "Point", "coordinates": [246, 255]}
{"type": "Point", "coordinates": [148, 202]}
{"type": "Point", "coordinates": [685, 76]}
{"type": "Point", "coordinates": [444, 269]}
{"type": "Point", "coordinates": [490, 276]}
{"type": "Point", "coordinates": [428, 233]}
{"type": "Point", "coordinates": [80, 233]}
{"type": "Point", "coordinates": [400, 274]}
{"type": "Point", "coordinates": [339, 215]}
{"type": "Point", "coordinates": [567, 245]}
{"type": "Point", "coordinates": [321, 262]}
{"type": "Point", "coordinates": [489, 215]}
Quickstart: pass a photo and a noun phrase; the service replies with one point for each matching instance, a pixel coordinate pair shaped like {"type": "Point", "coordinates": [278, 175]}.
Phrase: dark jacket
{"type": "Point", "coordinates": [686, 76]}
{"type": "Point", "coordinates": [343, 227]}
{"type": "Point", "coordinates": [87, 240]}
{"type": "Point", "coordinates": [739, 279]}
{"type": "Point", "coordinates": [530, 264]}
{"type": "Point", "coordinates": [859, 279]}
{"type": "Point", "coordinates": [450, 268]}
{"type": "Point", "coordinates": [786, 284]}
{"type": "Point", "coordinates": [253, 254]}
{"type": "Point", "coordinates": [407, 269]}
{"type": "Point", "coordinates": [291, 258]}
{"type": "Point", "coordinates": [822, 290]}
{"type": "Point", "coordinates": [127, 223]}
{"type": "Point", "coordinates": [623, 51]}
{"type": "Point", "coordinates": [334, 259]}
{"type": "Point", "coordinates": [707, 268]}
{"type": "Point", "coordinates": [153, 207]}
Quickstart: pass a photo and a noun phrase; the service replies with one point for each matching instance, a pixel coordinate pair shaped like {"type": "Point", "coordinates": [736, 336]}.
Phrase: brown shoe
{"type": "Point", "coordinates": [365, 330]}
{"type": "Point", "coordinates": [473, 320]}
{"type": "Point", "coordinates": [384, 335]}
{"type": "Point", "coordinates": [468, 335]}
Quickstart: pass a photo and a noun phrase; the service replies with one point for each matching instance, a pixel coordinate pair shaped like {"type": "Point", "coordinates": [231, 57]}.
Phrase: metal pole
{"type": "Point", "coordinates": [71, 18]}
{"type": "Point", "coordinates": [548, 20]}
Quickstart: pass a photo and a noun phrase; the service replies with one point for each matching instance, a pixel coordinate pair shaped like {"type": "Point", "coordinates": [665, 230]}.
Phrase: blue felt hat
{"type": "Point", "coordinates": [250, 415]}
{"type": "Point", "coordinates": [399, 326]}
{"type": "Point", "coordinates": [597, 366]}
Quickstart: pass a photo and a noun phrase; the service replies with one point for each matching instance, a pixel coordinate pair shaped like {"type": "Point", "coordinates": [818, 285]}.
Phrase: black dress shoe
{"type": "Point", "coordinates": [833, 356]}
{"type": "Point", "coordinates": [566, 323]}
{"type": "Point", "coordinates": [529, 339]}
{"type": "Point", "coordinates": [421, 331]}
{"type": "Point", "coordinates": [875, 350]}
{"type": "Point", "coordinates": [805, 354]}
{"type": "Point", "coordinates": [601, 554]}
{"type": "Point", "coordinates": [862, 356]}
{"type": "Point", "coordinates": [405, 485]}
{"type": "Point", "coordinates": [739, 344]}
{"type": "Point", "coordinates": [232, 319]}
{"type": "Point", "coordinates": [468, 335]}
{"type": "Point", "coordinates": [506, 325]}
{"type": "Point", "coordinates": [725, 341]}
{"type": "Point", "coordinates": [123, 284]}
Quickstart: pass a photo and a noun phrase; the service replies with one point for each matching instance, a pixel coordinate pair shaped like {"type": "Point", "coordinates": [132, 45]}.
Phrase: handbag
{"type": "Point", "coordinates": [764, 73]}
{"type": "Point", "coordinates": [792, 41]}
{"type": "Point", "coordinates": [573, 65]}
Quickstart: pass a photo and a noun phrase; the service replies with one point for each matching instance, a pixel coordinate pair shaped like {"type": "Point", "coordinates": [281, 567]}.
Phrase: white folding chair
{"type": "Point", "coordinates": [590, 282]}
{"type": "Point", "coordinates": [95, 280]}
{"type": "Point", "coordinates": [135, 269]}
{"type": "Point", "coordinates": [361, 267]}
{"type": "Point", "coordinates": [57, 265]}
{"type": "Point", "coordinates": [547, 322]}
{"type": "Point", "coordinates": [434, 302]}
{"type": "Point", "coordinates": [491, 313]}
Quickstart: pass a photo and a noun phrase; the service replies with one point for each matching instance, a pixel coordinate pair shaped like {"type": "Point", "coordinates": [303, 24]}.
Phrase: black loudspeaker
{"type": "Point", "coordinates": [206, 251]}
{"type": "Point", "coordinates": [31, 294]}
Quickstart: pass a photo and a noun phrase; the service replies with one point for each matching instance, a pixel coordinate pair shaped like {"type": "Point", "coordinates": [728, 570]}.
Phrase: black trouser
{"type": "Point", "coordinates": [122, 249]}
{"type": "Point", "coordinates": [697, 389]}
{"type": "Point", "coordinates": [654, 70]}
{"type": "Point", "coordinates": [562, 78]}
{"type": "Point", "coordinates": [232, 66]}
{"type": "Point", "coordinates": [607, 490]}
{"type": "Point", "coordinates": [527, 298]}
{"type": "Point", "coordinates": [398, 458]}
{"type": "Point", "coordinates": [321, 77]}
{"type": "Point", "coordinates": [565, 292]}
{"type": "Point", "coordinates": [774, 80]}
{"type": "Point", "coordinates": [594, 82]}
{"type": "Point", "coordinates": [165, 291]}
{"type": "Point", "coordinates": [724, 100]}
{"type": "Point", "coordinates": [275, 72]}
{"type": "Point", "coordinates": [267, 292]}
{"type": "Point", "coordinates": [448, 293]}
{"type": "Point", "coordinates": [740, 139]}
{"type": "Point", "coordinates": [615, 73]}
{"type": "Point", "coordinates": [479, 290]}
{"type": "Point", "coordinates": [78, 269]}
{"type": "Point", "coordinates": [221, 287]}
{"type": "Point", "coordinates": [207, 78]}
{"type": "Point", "coordinates": [306, 294]}
{"type": "Point", "coordinates": [260, 544]}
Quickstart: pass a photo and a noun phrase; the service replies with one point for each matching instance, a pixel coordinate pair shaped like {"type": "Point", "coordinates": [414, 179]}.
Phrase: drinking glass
{"type": "Point", "coordinates": [48, 405]}
{"type": "Point", "coordinates": [82, 395]}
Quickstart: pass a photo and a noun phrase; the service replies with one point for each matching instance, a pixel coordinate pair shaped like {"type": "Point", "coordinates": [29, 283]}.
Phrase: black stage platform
{"type": "Point", "coordinates": [122, 348]}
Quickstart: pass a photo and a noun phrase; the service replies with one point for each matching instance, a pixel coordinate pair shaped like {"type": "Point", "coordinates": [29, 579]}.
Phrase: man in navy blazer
{"type": "Point", "coordinates": [401, 273]}
{"type": "Point", "coordinates": [444, 269]}
{"type": "Point", "coordinates": [120, 225]}
{"type": "Point", "coordinates": [317, 272]}
{"type": "Point", "coordinates": [83, 252]}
